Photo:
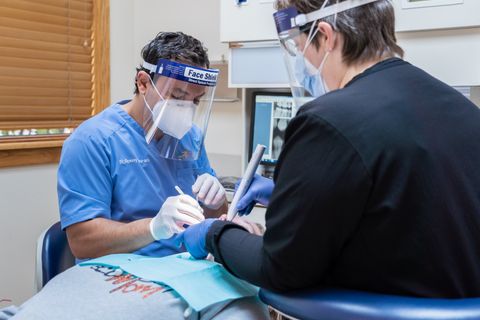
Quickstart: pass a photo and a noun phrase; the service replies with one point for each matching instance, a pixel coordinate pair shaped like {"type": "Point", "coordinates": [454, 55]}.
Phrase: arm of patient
{"type": "Point", "coordinates": [99, 237]}
{"type": "Point", "coordinates": [215, 213]}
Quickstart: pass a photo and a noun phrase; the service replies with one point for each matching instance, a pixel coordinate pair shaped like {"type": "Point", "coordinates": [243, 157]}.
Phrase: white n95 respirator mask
{"type": "Point", "coordinates": [174, 117]}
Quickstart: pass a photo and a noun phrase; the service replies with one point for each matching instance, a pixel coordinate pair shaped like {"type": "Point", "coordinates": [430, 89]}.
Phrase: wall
{"type": "Point", "coordinates": [28, 205]}
{"type": "Point", "coordinates": [122, 53]}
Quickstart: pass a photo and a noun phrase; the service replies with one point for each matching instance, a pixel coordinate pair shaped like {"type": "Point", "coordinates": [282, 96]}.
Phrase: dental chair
{"type": "Point", "coordinates": [53, 255]}
{"type": "Point", "coordinates": [335, 304]}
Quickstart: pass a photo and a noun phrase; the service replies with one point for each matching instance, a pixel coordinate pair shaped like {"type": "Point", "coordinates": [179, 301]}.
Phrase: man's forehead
{"type": "Point", "coordinates": [189, 88]}
{"type": "Point", "coordinates": [178, 86]}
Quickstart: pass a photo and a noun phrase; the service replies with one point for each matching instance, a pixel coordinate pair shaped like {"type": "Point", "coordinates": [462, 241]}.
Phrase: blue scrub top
{"type": "Point", "coordinates": [107, 170]}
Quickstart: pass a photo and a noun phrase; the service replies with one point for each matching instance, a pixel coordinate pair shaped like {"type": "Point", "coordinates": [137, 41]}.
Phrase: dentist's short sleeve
{"type": "Point", "coordinates": [203, 165]}
{"type": "Point", "coordinates": [84, 181]}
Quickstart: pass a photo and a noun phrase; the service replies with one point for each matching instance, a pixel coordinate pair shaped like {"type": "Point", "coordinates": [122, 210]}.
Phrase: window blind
{"type": "Point", "coordinates": [46, 63]}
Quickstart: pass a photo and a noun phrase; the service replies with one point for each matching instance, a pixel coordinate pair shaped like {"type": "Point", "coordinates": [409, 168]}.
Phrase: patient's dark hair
{"type": "Point", "coordinates": [174, 46]}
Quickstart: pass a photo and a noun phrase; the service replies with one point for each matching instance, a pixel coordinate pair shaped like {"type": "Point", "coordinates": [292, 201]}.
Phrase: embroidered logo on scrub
{"type": "Point", "coordinates": [134, 161]}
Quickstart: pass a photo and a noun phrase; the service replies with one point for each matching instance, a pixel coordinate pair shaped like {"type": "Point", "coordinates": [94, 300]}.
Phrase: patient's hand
{"type": "Point", "coordinates": [251, 227]}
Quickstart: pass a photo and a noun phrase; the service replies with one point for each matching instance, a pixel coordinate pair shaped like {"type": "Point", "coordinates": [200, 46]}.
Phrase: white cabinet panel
{"type": "Point", "coordinates": [449, 55]}
{"type": "Point", "coordinates": [252, 21]}
{"type": "Point", "coordinates": [413, 15]}
{"type": "Point", "coordinates": [443, 38]}
{"type": "Point", "coordinates": [254, 65]}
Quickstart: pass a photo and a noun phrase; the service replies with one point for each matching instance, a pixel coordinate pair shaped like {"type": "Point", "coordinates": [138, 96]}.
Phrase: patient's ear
{"type": "Point", "coordinates": [143, 81]}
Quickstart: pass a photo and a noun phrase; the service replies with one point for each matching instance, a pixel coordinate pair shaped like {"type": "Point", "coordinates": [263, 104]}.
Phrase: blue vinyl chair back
{"type": "Point", "coordinates": [333, 304]}
{"type": "Point", "coordinates": [55, 253]}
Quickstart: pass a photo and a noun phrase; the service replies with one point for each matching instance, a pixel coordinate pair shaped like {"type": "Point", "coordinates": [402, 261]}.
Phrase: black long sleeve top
{"type": "Point", "coordinates": [377, 188]}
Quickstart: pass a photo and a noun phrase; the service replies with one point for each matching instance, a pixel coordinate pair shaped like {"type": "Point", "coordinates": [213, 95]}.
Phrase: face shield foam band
{"type": "Point", "coordinates": [150, 67]}
{"type": "Point", "coordinates": [289, 18]}
{"type": "Point", "coordinates": [176, 115]}
{"type": "Point", "coordinates": [323, 12]}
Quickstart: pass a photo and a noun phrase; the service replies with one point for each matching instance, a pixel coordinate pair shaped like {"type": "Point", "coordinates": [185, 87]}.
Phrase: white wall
{"type": "Point", "coordinates": [200, 19]}
{"type": "Point", "coordinates": [134, 23]}
{"type": "Point", "coordinates": [122, 52]}
{"type": "Point", "coordinates": [28, 205]}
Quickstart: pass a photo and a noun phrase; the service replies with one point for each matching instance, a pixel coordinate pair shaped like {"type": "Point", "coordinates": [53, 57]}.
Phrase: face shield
{"type": "Point", "coordinates": [296, 32]}
{"type": "Point", "coordinates": [177, 108]}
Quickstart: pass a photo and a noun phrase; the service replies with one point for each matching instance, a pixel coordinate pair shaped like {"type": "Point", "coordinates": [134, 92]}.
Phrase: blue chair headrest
{"type": "Point", "coordinates": [347, 305]}
{"type": "Point", "coordinates": [56, 254]}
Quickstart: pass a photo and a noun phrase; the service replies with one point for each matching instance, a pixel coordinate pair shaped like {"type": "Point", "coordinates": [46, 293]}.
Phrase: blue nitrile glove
{"type": "Point", "coordinates": [260, 190]}
{"type": "Point", "coordinates": [194, 238]}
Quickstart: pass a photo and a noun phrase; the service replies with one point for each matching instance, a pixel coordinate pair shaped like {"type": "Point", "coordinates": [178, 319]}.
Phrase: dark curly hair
{"type": "Point", "coordinates": [176, 46]}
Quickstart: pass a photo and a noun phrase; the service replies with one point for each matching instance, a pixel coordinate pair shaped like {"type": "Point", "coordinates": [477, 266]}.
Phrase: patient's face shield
{"type": "Point", "coordinates": [295, 32]}
{"type": "Point", "coordinates": [177, 108]}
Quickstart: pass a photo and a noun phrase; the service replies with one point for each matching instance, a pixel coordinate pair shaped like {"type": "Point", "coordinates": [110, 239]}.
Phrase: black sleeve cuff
{"type": "Point", "coordinates": [213, 236]}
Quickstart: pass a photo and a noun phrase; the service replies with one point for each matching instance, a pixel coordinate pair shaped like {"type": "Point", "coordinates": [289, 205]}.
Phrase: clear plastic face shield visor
{"type": "Point", "coordinates": [177, 108]}
{"type": "Point", "coordinates": [296, 32]}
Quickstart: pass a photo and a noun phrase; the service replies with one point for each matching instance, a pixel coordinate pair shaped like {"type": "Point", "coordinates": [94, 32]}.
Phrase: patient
{"type": "Point", "coordinates": [116, 189]}
{"type": "Point", "coordinates": [96, 292]}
